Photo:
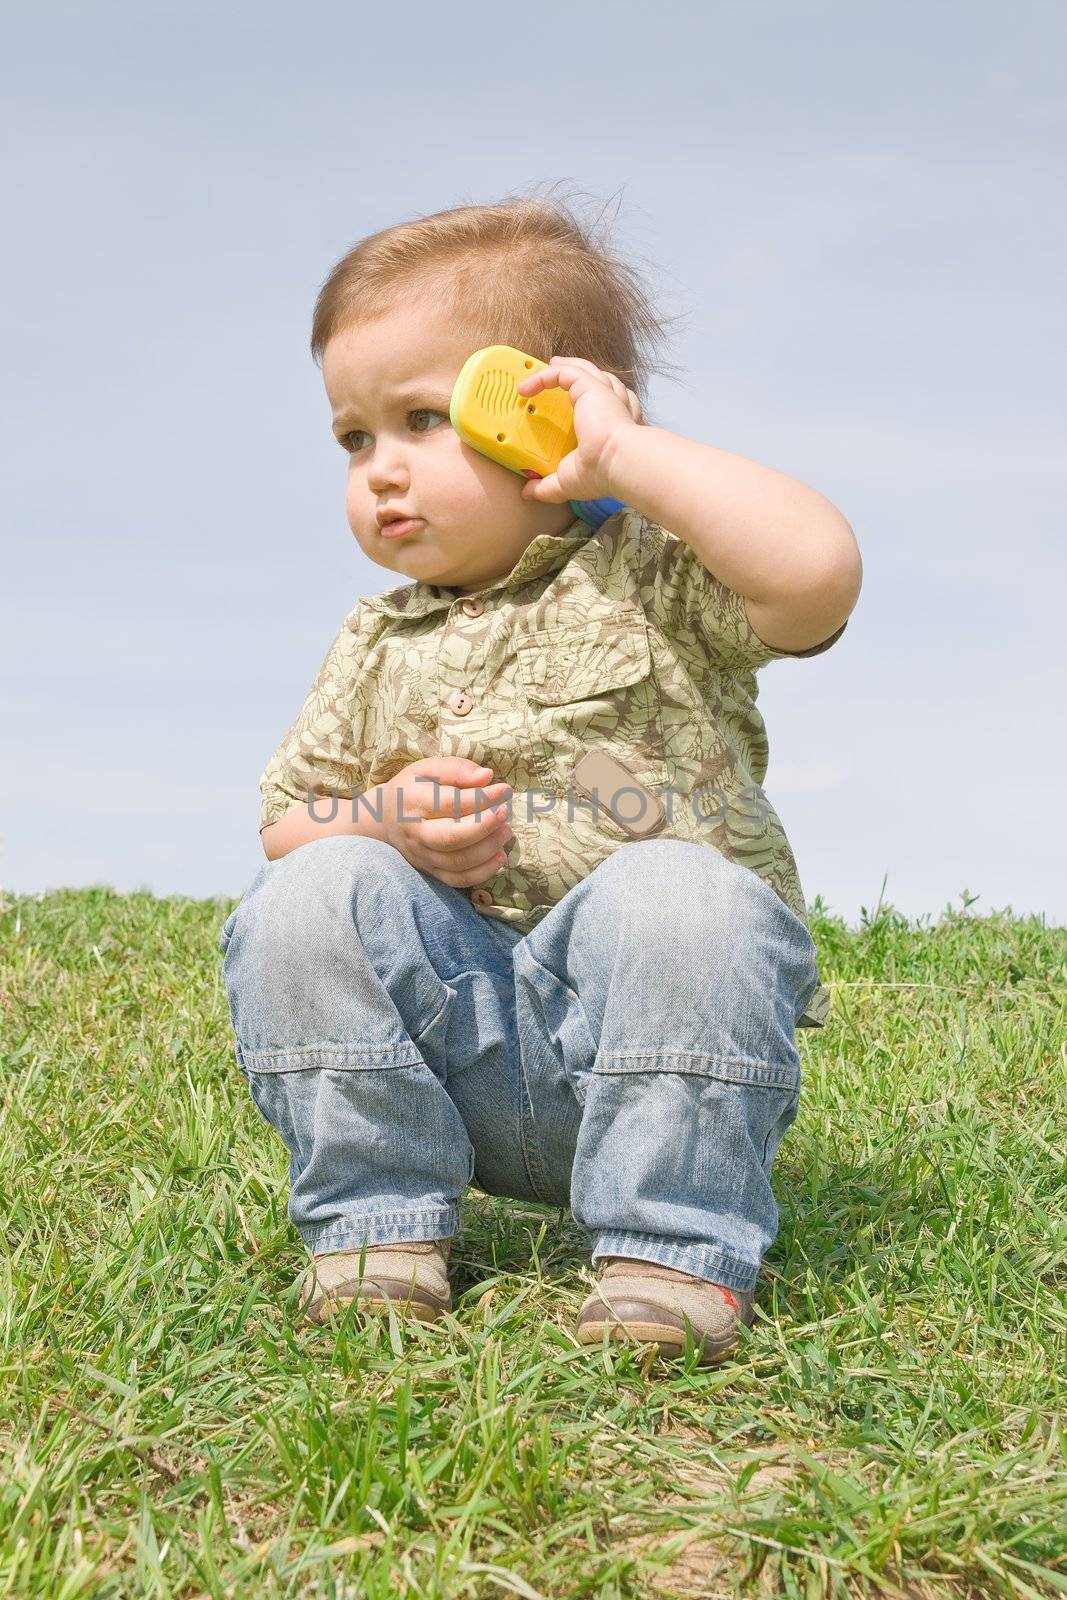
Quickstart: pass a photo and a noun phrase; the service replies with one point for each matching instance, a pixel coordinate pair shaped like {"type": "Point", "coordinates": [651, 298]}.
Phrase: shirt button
{"type": "Point", "coordinates": [482, 897]}
{"type": "Point", "coordinates": [460, 703]}
{"type": "Point", "coordinates": [473, 607]}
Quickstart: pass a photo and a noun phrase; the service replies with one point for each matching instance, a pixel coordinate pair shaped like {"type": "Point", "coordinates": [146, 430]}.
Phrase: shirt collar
{"type": "Point", "coordinates": [545, 553]}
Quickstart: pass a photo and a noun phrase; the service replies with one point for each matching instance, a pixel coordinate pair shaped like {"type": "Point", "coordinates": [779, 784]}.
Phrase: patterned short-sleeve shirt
{"type": "Point", "coordinates": [617, 640]}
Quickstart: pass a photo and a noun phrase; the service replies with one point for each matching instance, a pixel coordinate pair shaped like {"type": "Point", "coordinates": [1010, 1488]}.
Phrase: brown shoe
{"type": "Point", "coordinates": [643, 1301]}
{"type": "Point", "coordinates": [412, 1276]}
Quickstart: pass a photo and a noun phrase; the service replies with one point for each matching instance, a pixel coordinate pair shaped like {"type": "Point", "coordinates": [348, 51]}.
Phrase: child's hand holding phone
{"type": "Point", "coordinates": [459, 853]}
{"type": "Point", "coordinates": [556, 423]}
{"type": "Point", "coordinates": [603, 410]}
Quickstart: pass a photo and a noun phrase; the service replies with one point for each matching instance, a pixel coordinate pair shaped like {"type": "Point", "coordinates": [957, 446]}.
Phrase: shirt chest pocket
{"type": "Point", "coordinates": [589, 685]}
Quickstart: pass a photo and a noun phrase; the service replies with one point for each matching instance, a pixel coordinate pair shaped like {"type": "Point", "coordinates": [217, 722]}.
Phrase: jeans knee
{"type": "Point", "coordinates": [675, 894]}
{"type": "Point", "coordinates": [323, 861]}
{"type": "Point", "coordinates": [303, 900]}
{"type": "Point", "coordinates": [671, 886]}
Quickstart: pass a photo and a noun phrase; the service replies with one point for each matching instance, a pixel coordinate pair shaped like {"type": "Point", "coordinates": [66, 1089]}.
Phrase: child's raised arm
{"type": "Point", "coordinates": [772, 539]}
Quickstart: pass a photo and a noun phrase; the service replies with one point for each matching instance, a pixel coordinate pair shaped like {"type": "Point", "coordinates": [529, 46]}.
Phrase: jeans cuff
{"type": "Point", "coordinates": [708, 1261]}
{"type": "Point", "coordinates": [744, 1071]}
{"type": "Point", "coordinates": [334, 1057]}
{"type": "Point", "coordinates": [382, 1227]}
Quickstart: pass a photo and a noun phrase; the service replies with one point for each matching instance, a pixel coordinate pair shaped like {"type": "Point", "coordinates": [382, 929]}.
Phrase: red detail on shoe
{"type": "Point", "coordinates": [728, 1297]}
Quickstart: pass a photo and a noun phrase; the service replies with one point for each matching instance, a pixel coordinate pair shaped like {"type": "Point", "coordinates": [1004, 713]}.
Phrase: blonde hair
{"type": "Point", "coordinates": [523, 271]}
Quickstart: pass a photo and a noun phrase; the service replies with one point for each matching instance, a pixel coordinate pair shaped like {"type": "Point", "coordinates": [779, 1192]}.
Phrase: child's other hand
{"type": "Point", "coordinates": [604, 409]}
{"type": "Point", "coordinates": [462, 852]}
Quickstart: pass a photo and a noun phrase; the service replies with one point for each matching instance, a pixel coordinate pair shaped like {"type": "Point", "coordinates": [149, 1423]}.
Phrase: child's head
{"type": "Point", "coordinates": [395, 321]}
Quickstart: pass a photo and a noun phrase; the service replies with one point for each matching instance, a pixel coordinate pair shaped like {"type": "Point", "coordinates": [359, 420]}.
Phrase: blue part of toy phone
{"type": "Point", "coordinates": [596, 511]}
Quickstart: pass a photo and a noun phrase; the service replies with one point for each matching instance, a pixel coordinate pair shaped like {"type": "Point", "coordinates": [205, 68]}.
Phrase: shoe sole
{"type": "Point", "coordinates": [328, 1306]}
{"type": "Point", "coordinates": [709, 1352]}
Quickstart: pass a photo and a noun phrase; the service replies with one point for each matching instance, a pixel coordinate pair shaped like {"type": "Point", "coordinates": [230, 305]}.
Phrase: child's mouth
{"type": "Point", "coordinates": [398, 528]}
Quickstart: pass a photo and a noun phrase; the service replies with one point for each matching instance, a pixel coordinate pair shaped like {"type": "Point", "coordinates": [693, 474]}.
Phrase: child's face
{"type": "Point", "coordinates": [389, 383]}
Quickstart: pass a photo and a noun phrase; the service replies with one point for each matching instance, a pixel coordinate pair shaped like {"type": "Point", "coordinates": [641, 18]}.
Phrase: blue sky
{"type": "Point", "coordinates": [857, 211]}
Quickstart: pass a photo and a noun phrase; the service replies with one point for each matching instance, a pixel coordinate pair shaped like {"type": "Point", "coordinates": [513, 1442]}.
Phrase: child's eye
{"type": "Point", "coordinates": [357, 433]}
{"type": "Point", "coordinates": [427, 414]}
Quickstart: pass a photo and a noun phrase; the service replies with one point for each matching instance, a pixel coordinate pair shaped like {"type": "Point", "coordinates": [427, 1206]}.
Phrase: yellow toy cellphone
{"type": "Point", "coordinates": [528, 433]}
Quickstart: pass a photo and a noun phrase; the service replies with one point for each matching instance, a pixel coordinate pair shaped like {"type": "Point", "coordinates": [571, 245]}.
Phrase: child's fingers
{"type": "Point", "coordinates": [418, 797]}
{"type": "Point", "coordinates": [546, 488]}
{"type": "Point", "coordinates": [557, 372]}
{"type": "Point", "coordinates": [465, 863]}
{"type": "Point", "coordinates": [475, 869]}
{"type": "Point", "coordinates": [447, 838]}
{"type": "Point", "coordinates": [549, 378]}
{"type": "Point", "coordinates": [482, 797]}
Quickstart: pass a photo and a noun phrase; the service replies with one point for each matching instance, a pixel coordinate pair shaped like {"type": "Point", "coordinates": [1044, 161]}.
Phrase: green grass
{"type": "Point", "coordinates": [894, 1421]}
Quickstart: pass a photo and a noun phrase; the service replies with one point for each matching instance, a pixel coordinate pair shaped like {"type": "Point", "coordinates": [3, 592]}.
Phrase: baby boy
{"type": "Point", "coordinates": [461, 960]}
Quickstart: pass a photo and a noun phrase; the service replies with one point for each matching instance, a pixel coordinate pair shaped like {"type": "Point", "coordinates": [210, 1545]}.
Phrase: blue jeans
{"type": "Point", "coordinates": [633, 1057]}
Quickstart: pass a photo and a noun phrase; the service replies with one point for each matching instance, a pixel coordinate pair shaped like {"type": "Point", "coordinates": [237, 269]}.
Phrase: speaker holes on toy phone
{"type": "Point", "coordinates": [500, 438]}
{"type": "Point", "coordinates": [495, 392]}
{"type": "Point", "coordinates": [531, 408]}
{"type": "Point", "coordinates": [527, 363]}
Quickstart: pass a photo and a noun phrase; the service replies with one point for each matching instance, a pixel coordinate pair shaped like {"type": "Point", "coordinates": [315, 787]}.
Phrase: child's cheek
{"type": "Point", "coordinates": [354, 501]}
